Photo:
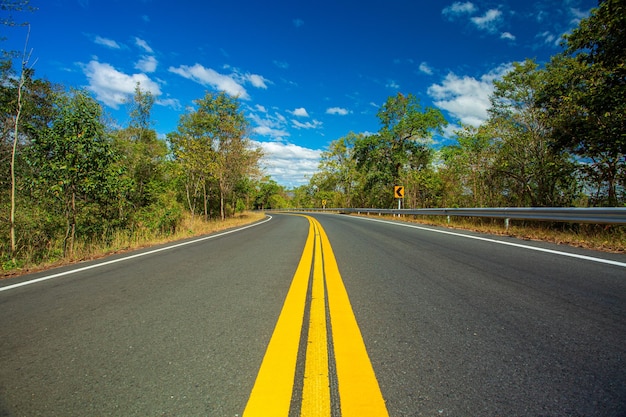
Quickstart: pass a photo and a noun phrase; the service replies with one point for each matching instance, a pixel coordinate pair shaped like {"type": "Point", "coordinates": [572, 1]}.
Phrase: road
{"type": "Point", "coordinates": [451, 324]}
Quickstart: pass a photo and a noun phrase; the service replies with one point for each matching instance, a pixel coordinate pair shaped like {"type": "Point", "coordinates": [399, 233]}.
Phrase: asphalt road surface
{"type": "Point", "coordinates": [454, 324]}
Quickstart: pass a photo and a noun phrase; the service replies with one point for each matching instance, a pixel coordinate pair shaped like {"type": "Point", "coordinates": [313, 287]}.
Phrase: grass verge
{"type": "Point", "coordinates": [122, 241]}
{"type": "Point", "coordinates": [607, 238]}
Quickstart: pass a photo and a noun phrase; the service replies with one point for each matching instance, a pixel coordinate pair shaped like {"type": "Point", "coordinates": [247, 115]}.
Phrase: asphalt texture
{"type": "Point", "coordinates": [453, 326]}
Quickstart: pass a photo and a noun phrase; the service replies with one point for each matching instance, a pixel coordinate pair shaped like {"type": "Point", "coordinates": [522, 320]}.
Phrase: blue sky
{"type": "Point", "coordinates": [306, 72]}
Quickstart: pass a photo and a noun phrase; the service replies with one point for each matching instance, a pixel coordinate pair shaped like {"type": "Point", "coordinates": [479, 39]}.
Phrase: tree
{"type": "Point", "coordinates": [25, 68]}
{"type": "Point", "coordinates": [11, 6]}
{"type": "Point", "coordinates": [212, 149]}
{"type": "Point", "coordinates": [73, 161]}
{"type": "Point", "coordinates": [585, 98]}
{"type": "Point", "coordinates": [268, 194]}
{"type": "Point", "coordinates": [337, 169]}
{"type": "Point", "coordinates": [400, 144]}
{"type": "Point", "coordinates": [467, 171]}
{"type": "Point", "coordinates": [193, 152]}
{"type": "Point", "coordinates": [534, 173]}
{"type": "Point", "coordinates": [144, 153]}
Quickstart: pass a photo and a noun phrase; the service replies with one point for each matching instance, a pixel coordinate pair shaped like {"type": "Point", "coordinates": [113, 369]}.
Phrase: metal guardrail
{"type": "Point", "coordinates": [597, 215]}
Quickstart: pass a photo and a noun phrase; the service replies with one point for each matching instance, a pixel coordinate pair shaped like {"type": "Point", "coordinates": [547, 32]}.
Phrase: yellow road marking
{"type": "Point", "coordinates": [316, 390]}
{"type": "Point", "coordinates": [359, 392]}
{"type": "Point", "coordinates": [271, 394]}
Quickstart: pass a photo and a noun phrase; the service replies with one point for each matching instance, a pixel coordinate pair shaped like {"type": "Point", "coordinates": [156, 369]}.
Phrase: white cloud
{"type": "Point", "coordinates": [458, 8]}
{"type": "Point", "coordinates": [300, 112]}
{"type": "Point", "coordinates": [257, 81]}
{"type": "Point", "coordinates": [210, 77]}
{"type": "Point", "coordinates": [147, 64]}
{"type": "Point", "coordinates": [577, 15]}
{"type": "Point", "coordinates": [169, 102]}
{"type": "Point", "coordinates": [488, 21]}
{"type": "Point", "coordinates": [337, 110]}
{"type": "Point", "coordinates": [507, 35]}
{"type": "Point", "coordinates": [289, 165]}
{"type": "Point", "coordinates": [393, 85]}
{"type": "Point", "coordinates": [425, 68]}
{"type": "Point", "coordinates": [113, 87]}
{"type": "Point", "coordinates": [549, 38]}
{"type": "Point", "coordinates": [308, 125]}
{"type": "Point", "coordinates": [109, 43]}
{"type": "Point", "coordinates": [143, 45]}
{"type": "Point", "coordinates": [467, 98]}
{"type": "Point", "coordinates": [272, 126]}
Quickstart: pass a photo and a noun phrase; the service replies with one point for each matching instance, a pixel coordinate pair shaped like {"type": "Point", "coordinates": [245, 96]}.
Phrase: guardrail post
{"type": "Point", "coordinates": [448, 218]}
{"type": "Point", "coordinates": [506, 224]}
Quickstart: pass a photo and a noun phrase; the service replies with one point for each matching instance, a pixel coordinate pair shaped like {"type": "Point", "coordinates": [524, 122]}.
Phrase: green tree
{"type": "Point", "coordinates": [26, 109]}
{"type": "Point", "coordinates": [193, 154]}
{"type": "Point", "coordinates": [73, 162]}
{"type": "Point", "coordinates": [337, 170]}
{"type": "Point", "coordinates": [144, 154]}
{"type": "Point", "coordinates": [467, 170]}
{"type": "Point", "coordinates": [212, 150]}
{"type": "Point", "coordinates": [585, 98]}
{"type": "Point", "coordinates": [401, 144]}
{"type": "Point", "coordinates": [533, 172]}
{"type": "Point", "coordinates": [304, 196]}
{"type": "Point", "coordinates": [268, 194]}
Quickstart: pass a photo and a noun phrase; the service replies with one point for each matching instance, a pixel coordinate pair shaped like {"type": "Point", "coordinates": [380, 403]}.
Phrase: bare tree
{"type": "Point", "coordinates": [24, 68]}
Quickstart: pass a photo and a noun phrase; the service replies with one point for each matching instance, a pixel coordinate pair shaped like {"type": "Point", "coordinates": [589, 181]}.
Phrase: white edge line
{"type": "Point", "coordinates": [518, 245]}
{"type": "Point", "coordinates": [126, 258]}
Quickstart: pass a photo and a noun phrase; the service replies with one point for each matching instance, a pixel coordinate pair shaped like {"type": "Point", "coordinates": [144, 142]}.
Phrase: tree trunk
{"type": "Point", "coordinates": [222, 214]}
{"type": "Point", "coordinates": [206, 204]}
{"type": "Point", "coordinates": [70, 231]}
{"type": "Point", "coordinates": [188, 193]}
{"type": "Point", "coordinates": [222, 188]}
{"type": "Point", "coordinates": [20, 86]}
{"type": "Point", "coordinates": [15, 135]}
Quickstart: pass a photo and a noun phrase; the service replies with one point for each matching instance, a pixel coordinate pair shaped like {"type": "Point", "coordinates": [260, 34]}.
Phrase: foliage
{"type": "Point", "coordinates": [143, 154]}
{"type": "Point", "coordinates": [401, 144]}
{"type": "Point", "coordinates": [269, 195]}
{"type": "Point", "coordinates": [533, 173]}
{"type": "Point", "coordinates": [585, 98]}
{"type": "Point", "coordinates": [73, 162]}
{"type": "Point", "coordinates": [212, 153]}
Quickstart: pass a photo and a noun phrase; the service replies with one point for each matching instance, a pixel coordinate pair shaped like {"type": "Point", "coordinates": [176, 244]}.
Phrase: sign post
{"type": "Point", "coordinates": [398, 192]}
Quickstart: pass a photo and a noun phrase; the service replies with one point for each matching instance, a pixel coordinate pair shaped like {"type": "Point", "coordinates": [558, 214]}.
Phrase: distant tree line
{"type": "Point", "coordinates": [555, 136]}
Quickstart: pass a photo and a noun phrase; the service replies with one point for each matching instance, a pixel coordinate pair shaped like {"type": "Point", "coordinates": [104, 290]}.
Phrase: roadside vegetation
{"type": "Point", "coordinates": [76, 185]}
{"type": "Point", "coordinates": [605, 238]}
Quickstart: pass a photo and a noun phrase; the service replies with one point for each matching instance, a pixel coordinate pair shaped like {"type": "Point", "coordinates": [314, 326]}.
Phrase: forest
{"type": "Point", "coordinates": [556, 136]}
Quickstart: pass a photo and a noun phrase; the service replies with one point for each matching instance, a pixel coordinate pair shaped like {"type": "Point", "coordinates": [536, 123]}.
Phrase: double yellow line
{"type": "Point", "coordinates": [359, 393]}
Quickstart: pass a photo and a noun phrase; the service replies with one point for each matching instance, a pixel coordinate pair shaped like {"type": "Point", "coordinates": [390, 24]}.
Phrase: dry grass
{"type": "Point", "coordinates": [605, 238]}
{"type": "Point", "coordinates": [123, 241]}
{"type": "Point", "coordinates": [596, 237]}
